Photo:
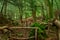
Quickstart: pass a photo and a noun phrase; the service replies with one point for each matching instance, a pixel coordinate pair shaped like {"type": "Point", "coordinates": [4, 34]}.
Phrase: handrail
{"type": "Point", "coordinates": [25, 27]}
{"type": "Point", "coordinates": [23, 38]}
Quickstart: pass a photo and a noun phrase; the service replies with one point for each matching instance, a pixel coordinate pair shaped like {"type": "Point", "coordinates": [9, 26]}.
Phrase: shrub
{"type": "Point", "coordinates": [41, 30]}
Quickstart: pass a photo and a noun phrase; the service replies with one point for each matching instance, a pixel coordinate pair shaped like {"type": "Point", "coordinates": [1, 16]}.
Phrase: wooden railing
{"type": "Point", "coordinates": [25, 33]}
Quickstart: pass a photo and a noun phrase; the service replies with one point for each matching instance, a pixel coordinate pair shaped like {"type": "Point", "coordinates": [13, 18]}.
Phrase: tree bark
{"type": "Point", "coordinates": [34, 15]}
{"type": "Point", "coordinates": [57, 23]}
{"type": "Point", "coordinates": [2, 7]}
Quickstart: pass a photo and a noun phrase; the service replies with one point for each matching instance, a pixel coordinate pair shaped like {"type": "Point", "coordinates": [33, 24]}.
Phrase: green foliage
{"type": "Point", "coordinates": [25, 11]}
{"type": "Point", "coordinates": [27, 5]}
{"type": "Point", "coordinates": [41, 30]}
{"type": "Point", "coordinates": [15, 23]}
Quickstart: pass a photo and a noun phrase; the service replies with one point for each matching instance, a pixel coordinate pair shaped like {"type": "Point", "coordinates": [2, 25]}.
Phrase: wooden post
{"type": "Point", "coordinates": [36, 34]}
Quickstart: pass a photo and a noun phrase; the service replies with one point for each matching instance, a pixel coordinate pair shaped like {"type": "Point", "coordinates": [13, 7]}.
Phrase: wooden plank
{"type": "Point", "coordinates": [22, 38]}
{"type": "Point", "coordinates": [24, 27]}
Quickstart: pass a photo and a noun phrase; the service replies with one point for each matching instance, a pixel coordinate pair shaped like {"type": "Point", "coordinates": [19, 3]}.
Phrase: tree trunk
{"type": "Point", "coordinates": [34, 14]}
{"type": "Point", "coordinates": [2, 7]}
{"type": "Point", "coordinates": [5, 9]}
{"type": "Point", "coordinates": [49, 6]}
{"type": "Point", "coordinates": [57, 23]}
{"type": "Point", "coordinates": [20, 16]}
